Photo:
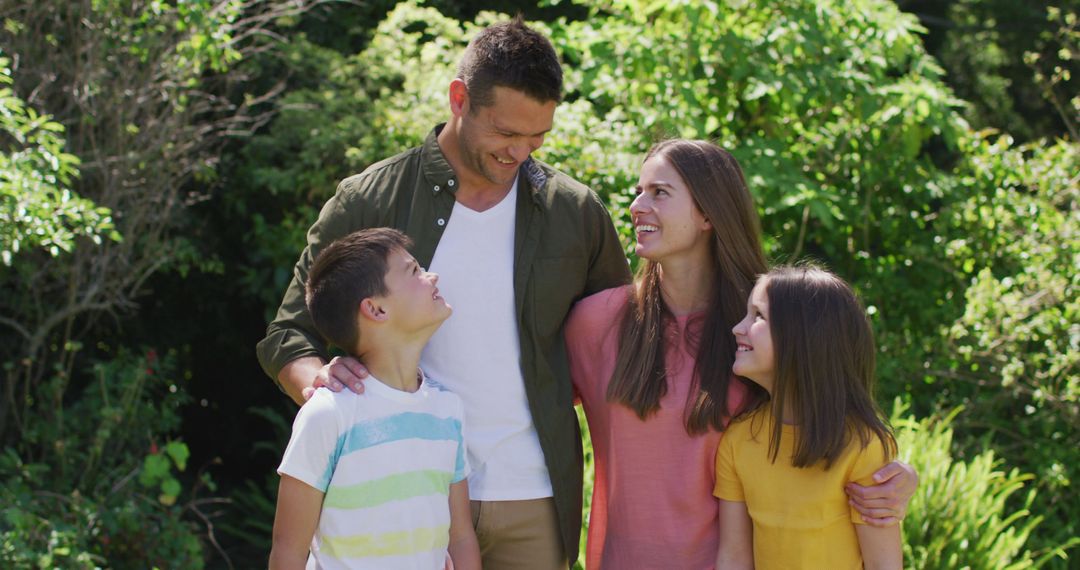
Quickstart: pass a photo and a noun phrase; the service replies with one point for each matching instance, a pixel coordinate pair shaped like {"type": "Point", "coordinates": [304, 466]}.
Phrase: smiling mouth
{"type": "Point", "coordinates": [744, 348]}
{"type": "Point", "coordinates": [504, 161]}
{"type": "Point", "coordinates": [646, 228]}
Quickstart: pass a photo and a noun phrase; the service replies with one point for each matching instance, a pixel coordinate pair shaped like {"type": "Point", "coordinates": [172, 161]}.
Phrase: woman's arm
{"type": "Point", "coordinates": [736, 551]}
{"type": "Point", "coordinates": [464, 548]}
{"type": "Point", "coordinates": [880, 546]}
{"type": "Point", "coordinates": [298, 508]}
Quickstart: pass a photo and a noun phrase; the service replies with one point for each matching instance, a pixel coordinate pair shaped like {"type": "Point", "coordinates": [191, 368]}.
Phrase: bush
{"type": "Point", "coordinates": [98, 482]}
{"type": "Point", "coordinates": [1011, 358]}
{"type": "Point", "coordinates": [960, 515]}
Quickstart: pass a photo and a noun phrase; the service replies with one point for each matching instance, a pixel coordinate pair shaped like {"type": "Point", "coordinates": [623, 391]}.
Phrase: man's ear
{"type": "Point", "coordinates": [459, 97]}
{"type": "Point", "coordinates": [373, 310]}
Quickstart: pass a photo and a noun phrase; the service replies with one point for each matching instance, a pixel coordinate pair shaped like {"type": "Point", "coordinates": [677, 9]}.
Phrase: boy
{"type": "Point", "coordinates": [378, 479]}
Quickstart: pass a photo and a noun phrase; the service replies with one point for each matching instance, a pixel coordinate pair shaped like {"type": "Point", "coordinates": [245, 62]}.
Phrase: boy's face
{"type": "Point", "coordinates": [413, 300]}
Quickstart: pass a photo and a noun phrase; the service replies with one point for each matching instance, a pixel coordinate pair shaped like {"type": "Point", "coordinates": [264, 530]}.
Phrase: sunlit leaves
{"type": "Point", "coordinates": [38, 209]}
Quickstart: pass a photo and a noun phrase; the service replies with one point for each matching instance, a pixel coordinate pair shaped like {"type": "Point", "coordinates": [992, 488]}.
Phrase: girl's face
{"type": "Point", "coordinates": [754, 356]}
{"type": "Point", "coordinates": [667, 222]}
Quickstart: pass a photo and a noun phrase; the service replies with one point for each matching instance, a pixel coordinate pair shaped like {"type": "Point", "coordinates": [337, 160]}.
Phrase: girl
{"type": "Point", "coordinates": [651, 363]}
{"type": "Point", "coordinates": [780, 471]}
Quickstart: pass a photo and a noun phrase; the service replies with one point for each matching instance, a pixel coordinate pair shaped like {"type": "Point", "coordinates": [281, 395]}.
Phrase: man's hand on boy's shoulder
{"type": "Point", "coordinates": [340, 372]}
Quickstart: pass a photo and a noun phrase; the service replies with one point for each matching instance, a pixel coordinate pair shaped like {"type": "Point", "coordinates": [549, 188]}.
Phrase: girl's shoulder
{"type": "Point", "coordinates": [751, 421]}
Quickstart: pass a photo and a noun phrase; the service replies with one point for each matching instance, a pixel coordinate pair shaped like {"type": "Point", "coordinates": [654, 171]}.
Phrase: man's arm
{"type": "Point", "coordinates": [736, 551]}
{"type": "Point", "coordinates": [608, 266]}
{"type": "Point", "coordinates": [291, 336]}
{"type": "Point", "coordinates": [298, 508]}
{"type": "Point", "coordinates": [464, 548]}
{"type": "Point", "coordinates": [885, 504]}
{"type": "Point", "coordinates": [298, 376]}
{"type": "Point", "coordinates": [880, 547]}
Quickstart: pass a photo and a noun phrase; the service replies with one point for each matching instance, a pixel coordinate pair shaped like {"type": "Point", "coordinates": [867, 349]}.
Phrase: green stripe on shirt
{"type": "Point", "coordinates": [393, 487]}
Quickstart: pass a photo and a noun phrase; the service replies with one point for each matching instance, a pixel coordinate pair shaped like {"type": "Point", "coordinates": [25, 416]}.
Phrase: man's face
{"type": "Point", "coordinates": [495, 140]}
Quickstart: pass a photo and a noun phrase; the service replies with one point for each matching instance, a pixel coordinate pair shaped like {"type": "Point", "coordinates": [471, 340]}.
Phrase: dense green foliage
{"type": "Point", "coordinates": [960, 517]}
{"type": "Point", "coordinates": [37, 207]}
{"type": "Point", "coordinates": [112, 115]}
{"type": "Point", "coordinates": [1013, 62]}
{"type": "Point", "coordinates": [177, 163]}
{"type": "Point", "coordinates": [98, 484]}
{"type": "Point", "coordinates": [1011, 358]}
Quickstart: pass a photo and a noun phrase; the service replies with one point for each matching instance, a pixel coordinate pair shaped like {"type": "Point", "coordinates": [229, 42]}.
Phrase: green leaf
{"type": "Point", "coordinates": [179, 453]}
{"type": "Point", "coordinates": [155, 468]}
{"type": "Point", "coordinates": [170, 487]}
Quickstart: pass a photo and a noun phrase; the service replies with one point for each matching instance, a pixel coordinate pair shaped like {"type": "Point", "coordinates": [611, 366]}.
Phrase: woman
{"type": "Point", "coordinates": [651, 363]}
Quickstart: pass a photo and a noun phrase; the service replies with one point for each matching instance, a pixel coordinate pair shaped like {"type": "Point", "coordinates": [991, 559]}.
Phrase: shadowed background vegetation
{"type": "Point", "coordinates": [160, 161]}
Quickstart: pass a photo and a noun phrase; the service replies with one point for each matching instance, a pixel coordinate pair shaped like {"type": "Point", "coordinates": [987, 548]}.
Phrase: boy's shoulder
{"type": "Point", "coordinates": [432, 383]}
{"type": "Point", "coordinates": [441, 392]}
{"type": "Point", "coordinates": [324, 409]}
{"type": "Point", "coordinates": [325, 399]}
{"type": "Point", "coordinates": [344, 408]}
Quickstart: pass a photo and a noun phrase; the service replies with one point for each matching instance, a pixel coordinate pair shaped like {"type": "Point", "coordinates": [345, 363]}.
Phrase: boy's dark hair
{"type": "Point", "coordinates": [824, 350]}
{"type": "Point", "coordinates": [511, 54]}
{"type": "Point", "coordinates": [351, 269]}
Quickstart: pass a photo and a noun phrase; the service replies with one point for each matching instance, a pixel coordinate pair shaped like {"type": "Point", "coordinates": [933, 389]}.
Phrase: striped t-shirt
{"type": "Point", "coordinates": [385, 460]}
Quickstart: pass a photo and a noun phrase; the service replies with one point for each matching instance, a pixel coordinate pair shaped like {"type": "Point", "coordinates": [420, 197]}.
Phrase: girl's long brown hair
{"type": "Point", "coordinates": [639, 381]}
{"type": "Point", "coordinates": [825, 358]}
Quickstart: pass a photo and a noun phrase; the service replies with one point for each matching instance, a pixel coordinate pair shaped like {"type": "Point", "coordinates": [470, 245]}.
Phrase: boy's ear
{"type": "Point", "coordinates": [373, 310]}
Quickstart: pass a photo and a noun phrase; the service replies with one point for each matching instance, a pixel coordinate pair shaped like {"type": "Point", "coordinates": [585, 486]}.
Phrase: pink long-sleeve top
{"type": "Point", "coordinates": [652, 503]}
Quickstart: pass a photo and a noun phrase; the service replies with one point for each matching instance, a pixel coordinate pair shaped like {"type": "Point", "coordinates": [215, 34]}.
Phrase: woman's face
{"type": "Point", "coordinates": [667, 222]}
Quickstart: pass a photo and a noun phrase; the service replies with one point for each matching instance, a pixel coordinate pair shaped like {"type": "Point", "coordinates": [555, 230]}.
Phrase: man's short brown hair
{"type": "Point", "coordinates": [511, 54]}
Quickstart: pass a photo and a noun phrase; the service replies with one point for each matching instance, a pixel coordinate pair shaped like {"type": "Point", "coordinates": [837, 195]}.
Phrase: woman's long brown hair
{"type": "Point", "coordinates": [639, 381]}
{"type": "Point", "coordinates": [824, 350]}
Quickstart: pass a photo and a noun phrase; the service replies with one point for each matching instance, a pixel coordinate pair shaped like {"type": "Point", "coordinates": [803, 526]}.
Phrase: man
{"type": "Point", "coordinates": [516, 243]}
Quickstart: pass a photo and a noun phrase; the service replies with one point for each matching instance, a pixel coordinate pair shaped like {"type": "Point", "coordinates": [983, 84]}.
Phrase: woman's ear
{"type": "Point", "coordinates": [704, 225]}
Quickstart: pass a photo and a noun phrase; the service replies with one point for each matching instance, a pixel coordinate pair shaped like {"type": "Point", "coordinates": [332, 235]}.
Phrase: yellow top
{"type": "Point", "coordinates": [801, 516]}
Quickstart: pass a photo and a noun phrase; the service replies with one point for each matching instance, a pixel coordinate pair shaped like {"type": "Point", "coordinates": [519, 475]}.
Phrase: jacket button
{"type": "Point", "coordinates": [441, 222]}
{"type": "Point", "coordinates": [450, 182]}
{"type": "Point", "coordinates": [436, 187]}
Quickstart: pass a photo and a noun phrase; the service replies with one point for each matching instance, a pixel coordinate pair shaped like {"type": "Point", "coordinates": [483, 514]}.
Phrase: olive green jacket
{"type": "Point", "coordinates": [565, 247]}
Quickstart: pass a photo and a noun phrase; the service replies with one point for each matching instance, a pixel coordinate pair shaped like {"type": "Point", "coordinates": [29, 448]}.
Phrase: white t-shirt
{"type": "Point", "coordinates": [385, 460]}
{"type": "Point", "coordinates": [476, 353]}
